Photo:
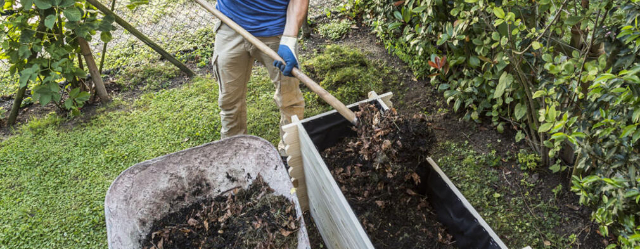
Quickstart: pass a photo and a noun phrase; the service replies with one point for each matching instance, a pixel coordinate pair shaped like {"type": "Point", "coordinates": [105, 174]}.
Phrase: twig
{"type": "Point", "coordinates": [555, 19]}
{"type": "Point", "coordinates": [593, 37]}
{"type": "Point", "coordinates": [228, 190]}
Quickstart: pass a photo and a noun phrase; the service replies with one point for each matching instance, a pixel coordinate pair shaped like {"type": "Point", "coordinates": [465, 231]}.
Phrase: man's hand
{"type": "Point", "coordinates": [287, 51]}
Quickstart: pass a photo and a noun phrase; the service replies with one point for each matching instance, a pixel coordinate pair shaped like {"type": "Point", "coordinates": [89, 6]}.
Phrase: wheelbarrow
{"type": "Point", "coordinates": [149, 190]}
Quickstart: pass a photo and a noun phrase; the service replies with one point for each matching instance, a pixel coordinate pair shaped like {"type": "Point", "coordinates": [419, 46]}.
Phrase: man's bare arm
{"type": "Point", "coordinates": [296, 13]}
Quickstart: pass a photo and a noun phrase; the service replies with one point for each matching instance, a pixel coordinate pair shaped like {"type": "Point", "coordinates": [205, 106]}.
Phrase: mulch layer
{"type": "Point", "coordinates": [378, 172]}
{"type": "Point", "coordinates": [244, 218]}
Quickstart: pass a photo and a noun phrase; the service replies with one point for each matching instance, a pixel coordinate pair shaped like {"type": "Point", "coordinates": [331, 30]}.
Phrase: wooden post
{"type": "Point", "coordinates": [93, 69]}
{"type": "Point", "coordinates": [142, 37]}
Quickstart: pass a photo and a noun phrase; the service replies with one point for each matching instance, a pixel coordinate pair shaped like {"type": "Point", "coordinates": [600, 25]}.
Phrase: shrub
{"type": "Point", "coordinates": [561, 73]}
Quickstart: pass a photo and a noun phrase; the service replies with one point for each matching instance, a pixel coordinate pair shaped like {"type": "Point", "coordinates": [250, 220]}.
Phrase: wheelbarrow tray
{"type": "Point", "coordinates": [150, 190]}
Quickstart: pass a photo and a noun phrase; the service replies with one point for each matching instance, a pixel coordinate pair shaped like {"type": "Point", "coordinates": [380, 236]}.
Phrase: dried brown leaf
{"type": "Point", "coordinates": [284, 232]}
{"type": "Point", "coordinates": [193, 222]}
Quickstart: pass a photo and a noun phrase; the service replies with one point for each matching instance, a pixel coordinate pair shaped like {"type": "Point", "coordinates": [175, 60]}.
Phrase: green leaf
{"type": "Point", "coordinates": [539, 93]}
{"type": "Point", "coordinates": [547, 57]}
{"type": "Point", "coordinates": [545, 127]}
{"type": "Point", "coordinates": [551, 113]}
{"type": "Point", "coordinates": [504, 40]}
{"type": "Point", "coordinates": [66, 3]}
{"type": "Point", "coordinates": [520, 111]}
{"type": "Point", "coordinates": [45, 99]}
{"type": "Point", "coordinates": [398, 15]}
{"type": "Point", "coordinates": [43, 4]}
{"type": "Point", "coordinates": [394, 25]}
{"type": "Point", "coordinates": [50, 21]}
{"type": "Point", "coordinates": [578, 134]}
{"type": "Point", "coordinates": [631, 193]}
{"type": "Point", "coordinates": [504, 82]}
{"type": "Point", "coordinates": [83, 96]}
{"type": "Point", "coordinates": [68, 103]}
{"type": "Point", "coordinates": [53, 87]}
{"type": "Point", "coordinates": [28, 74]}
{"type": "Point", "coordinates": [555, 168]}
{"type": "Point", "coordinates": [26, 4]}
{"type": "Point", "coordinates": [421, 8]}
{"type": "Point", "coordinates": [105, 36]}
{"type": "Point", "coordinates": [24, 51]}
{"type": "Point", "coordinates": [498, 12]}
{"type": "Point", "coordinates": [74, 93]}
{"type": "Point", "coordinates": [495, 36]}
{"type": "Point", "coordinates": [536, 45]}
{"type": "Point", "coordinates": [636, 116]}
{"type": "Point", "coordinates": [519, 136]}
{"type": "Point", "coordinates": [573, 20]}
{"type": "Point", "coordinates": [73, 14]}
{"type": "Point", "coordinates": [636, 136]}
{"type": "Point", "coordinates": [474, 61]}
{"type": "Point", "coordinates": [628, 130]}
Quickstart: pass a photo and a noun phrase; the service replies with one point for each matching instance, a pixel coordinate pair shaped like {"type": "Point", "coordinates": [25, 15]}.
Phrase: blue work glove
{"type": "Point", "coordinates": [287, 52]}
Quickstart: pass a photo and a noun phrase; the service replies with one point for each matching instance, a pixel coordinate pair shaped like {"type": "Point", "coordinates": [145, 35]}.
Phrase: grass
{"type": "Point", "coordinates": [335, 29]}
{"type": "Point", "coordinates": [149, 76]}
{"type": "Point", "coordinates": [348, 74]}
{"type": "Point", "coordinates": [54, 176]}
{"type": "Point", "coordinates": [521, 216]}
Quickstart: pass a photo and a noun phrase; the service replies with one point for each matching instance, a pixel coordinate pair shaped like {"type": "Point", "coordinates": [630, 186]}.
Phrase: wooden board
{"type": "Point", "coordinates": [316, 189]}
{"type": "Point", "coordinates": [330, 210]}
{"type": "Point", "coordinates": [466, 203]}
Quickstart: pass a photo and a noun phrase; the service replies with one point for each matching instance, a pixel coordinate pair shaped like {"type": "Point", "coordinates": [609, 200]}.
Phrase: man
{"type": "Point", "coordinates": [276, 23]}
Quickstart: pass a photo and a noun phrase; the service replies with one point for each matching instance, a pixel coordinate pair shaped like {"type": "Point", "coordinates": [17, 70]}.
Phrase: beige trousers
{"type": "Point", "coordinates": [233, 60]}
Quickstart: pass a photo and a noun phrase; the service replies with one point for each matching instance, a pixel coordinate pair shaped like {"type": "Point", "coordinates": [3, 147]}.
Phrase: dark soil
{"type": "Point", "coordinates": [378, 172]}
{"type": "Point", "coordinates": [250, 218]}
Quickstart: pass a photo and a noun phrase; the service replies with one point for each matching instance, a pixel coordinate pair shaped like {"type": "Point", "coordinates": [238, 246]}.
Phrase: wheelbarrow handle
{"type": "Point", "coordinates": [326, 96]}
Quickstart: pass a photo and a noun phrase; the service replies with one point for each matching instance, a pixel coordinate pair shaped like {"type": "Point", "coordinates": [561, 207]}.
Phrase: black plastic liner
{"type": "Point", "coordinates": [327, 130]}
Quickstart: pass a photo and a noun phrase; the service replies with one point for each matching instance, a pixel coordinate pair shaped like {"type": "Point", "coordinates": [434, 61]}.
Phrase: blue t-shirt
{"type": "Point", "coordinates": [262, 18]}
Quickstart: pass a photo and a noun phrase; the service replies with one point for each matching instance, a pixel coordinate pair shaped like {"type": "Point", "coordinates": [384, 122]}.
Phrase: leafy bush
{"type": "Point", "coordinates": [335, 30]}
{"type": "Point", "coordinates": [563, 73]}
{"type": "Point", "coordinates": [39, 39]}
{"type": "Point", "coordinates": [348, 74]}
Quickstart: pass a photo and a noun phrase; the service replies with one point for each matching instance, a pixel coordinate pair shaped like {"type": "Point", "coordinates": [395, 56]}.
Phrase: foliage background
{"type": "Point", "coordinates": [563, 74]}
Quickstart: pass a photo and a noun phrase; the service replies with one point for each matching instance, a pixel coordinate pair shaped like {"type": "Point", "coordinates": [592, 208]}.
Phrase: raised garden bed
{"type": "Point", "coordinates": [147, 192]}
{"type": "Point", "coordinates": [338, 224]}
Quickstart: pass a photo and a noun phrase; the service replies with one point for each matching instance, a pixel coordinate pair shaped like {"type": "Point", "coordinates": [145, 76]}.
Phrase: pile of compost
{"type": "Point", "coordinates": [243, 218]}
{"type": "Point", "coordinates": [379, 173]}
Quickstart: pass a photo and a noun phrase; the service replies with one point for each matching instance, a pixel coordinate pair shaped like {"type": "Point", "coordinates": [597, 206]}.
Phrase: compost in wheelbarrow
{"type": "Point", "coordinates": [452, 210]}
{"type": "Point", "coordinates": [254, 217]}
